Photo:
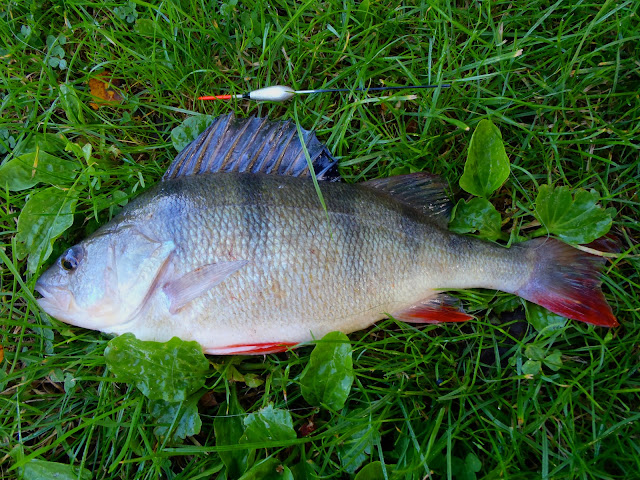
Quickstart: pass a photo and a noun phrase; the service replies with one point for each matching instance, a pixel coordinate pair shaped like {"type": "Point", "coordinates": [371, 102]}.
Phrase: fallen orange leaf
{"type": "Point", "coordinates": [1, 353]}
{"type": "Point", "coordinates": [102, 92]}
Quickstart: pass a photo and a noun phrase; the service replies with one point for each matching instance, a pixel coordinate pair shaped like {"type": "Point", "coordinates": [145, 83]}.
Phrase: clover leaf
{"type": "Point", "coordinates": [187, 131]}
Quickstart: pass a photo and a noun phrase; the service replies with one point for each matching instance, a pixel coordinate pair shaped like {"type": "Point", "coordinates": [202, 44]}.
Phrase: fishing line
{"type": "Point", "coordinates": [281, 93]}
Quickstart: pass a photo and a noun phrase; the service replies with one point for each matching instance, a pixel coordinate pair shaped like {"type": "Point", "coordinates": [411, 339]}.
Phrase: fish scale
{"type": "Point", "coordinates": [253, 263]}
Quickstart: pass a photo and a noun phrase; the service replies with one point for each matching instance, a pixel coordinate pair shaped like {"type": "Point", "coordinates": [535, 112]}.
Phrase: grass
{"type": "Point", "coordinates": [561, 81]}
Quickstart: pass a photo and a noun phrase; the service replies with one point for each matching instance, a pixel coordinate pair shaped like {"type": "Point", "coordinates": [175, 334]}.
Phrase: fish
{"type": "Point", "coordinates": [242, 250]}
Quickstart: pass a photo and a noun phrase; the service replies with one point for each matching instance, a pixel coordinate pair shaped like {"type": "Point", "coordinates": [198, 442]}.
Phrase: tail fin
{"type": "Point", "coordinates": [567, 282]}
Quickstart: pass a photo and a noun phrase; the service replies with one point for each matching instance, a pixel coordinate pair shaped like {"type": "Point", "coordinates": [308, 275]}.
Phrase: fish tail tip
{"type": "Point", "coordinates": [567, 282]}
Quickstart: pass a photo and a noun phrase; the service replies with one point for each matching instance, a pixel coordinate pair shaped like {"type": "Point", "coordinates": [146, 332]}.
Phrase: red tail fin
{"type": "Point", "coordinates": [567, 282]}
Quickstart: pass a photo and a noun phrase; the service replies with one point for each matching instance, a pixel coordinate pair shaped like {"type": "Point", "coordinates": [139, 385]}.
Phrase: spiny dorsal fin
{"type": "Point", "coordinates": [253, 145]}
{"type": "Point", "coordinates": [422, 191]}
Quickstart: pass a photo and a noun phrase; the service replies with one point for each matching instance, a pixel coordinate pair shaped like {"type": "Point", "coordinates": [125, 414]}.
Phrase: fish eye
{"type": "Point", "coordinates": [68, 264]}
{"type": "Point", "coordinates": [70, 260]}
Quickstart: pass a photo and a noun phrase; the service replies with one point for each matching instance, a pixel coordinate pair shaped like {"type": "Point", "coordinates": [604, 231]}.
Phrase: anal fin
{"type": "Point", "coordinates": [442, 308]}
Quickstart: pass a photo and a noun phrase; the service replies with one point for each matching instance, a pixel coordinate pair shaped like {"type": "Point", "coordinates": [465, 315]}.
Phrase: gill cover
{"type": "Point", "coordinates": [135, 268]}
{"type": "Point", "coordinates": [105, 280]}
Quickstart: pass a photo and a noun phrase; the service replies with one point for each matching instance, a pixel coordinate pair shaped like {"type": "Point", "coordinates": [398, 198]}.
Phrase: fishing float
{"type": "Point", "coordinates": [281, 93]}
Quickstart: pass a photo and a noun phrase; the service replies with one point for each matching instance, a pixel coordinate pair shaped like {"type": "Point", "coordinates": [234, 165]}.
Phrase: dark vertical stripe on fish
{"type": "Point", "coordinates": [249, 190]}
{"type": "Point", "coordinates": [407, 226]}
{"type": "Point", "coordinates": [354, 231]}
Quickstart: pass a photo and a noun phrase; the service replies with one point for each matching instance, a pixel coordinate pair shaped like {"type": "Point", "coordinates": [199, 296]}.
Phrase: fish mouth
{"type": "Point", "coordinates": [41, 290]}
{"type": "Point", "coordinates": [59, 303]}
{"type": "Point", "coordinates": [54, 301]}
{"type": "Point", "coordinates": [45, 295]}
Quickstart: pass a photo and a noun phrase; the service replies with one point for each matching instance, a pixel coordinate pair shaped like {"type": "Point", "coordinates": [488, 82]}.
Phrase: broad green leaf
{"type": "Point", "coordinates": [328, 377]}
{"type": "Point", "coordinates": [573, 218]}
{"type": "Point", "coordinates": [45, 216]}
{"type": "Point", "coordinates": [28, 169]}
{"type": "Point", "coordinates": [71, 103]}
{"type": "Point", "coordinates": [356, 445]}
{"type": "Point", "coordinates": [373, 471]}
{"type": "Point", "coordinates": [268, 469]}
{"type": "Point", "coordinates": [542, 319]}
{"type": "Point", "coordinates": [472, 462]}
{"type": "Point", "coordinates": [268, 425]}
{"type": "Point", "coordinates": [531, 367]}
{"type": "Point", "coordinates": [400, 170]}
{"type": "Point", "coordinates": [534, 352]}
{"type": "Point", "coordinates": [304, 469]}
{"type": "Point", "coordinates": [232, 374]}
{"type": "Point", "coordinates": [554, 361]}
{"type": "Point", "coordinates": [147, 27]}
{"type": "Point", "coordinates": [36, 469]}
{"type": "Point", "coordinates": [184, 134]}
{"type": "Point", "coordinates": [487, 166]}
{"type": "Point", "coordinates": [252, 380]}
{"type": "Point", "coordinates": [466, 469]}
{"type": "Point", "coordinates": [228, 429]}
{"type": "Point", "coordinates": [506, 303]}
{"type": "Point", "coordinates": [476, 215]}
{"type": "Point", "coordinates": [84, 153]}
{"type": "Point", "coordinates": [176, 419]}
{"type": "Point", "coordinates": [45, 142]}
{"type": "Point", "coordinates": [169, 371]}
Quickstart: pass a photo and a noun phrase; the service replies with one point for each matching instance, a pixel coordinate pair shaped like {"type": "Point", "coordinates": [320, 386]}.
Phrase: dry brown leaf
{"type": "Point", "coordinates": [208, 400]}
{"type": "Point", "coordinates": [308, 428]}
{"type": "Point", "coordinates": [1, 353]}
{"type": "Point", "coordinates": [101, 90]}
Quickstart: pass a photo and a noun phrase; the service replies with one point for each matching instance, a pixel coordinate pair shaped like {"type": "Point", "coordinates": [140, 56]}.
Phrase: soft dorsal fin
{"type": "Point", "coordinates": [422, 191]}
{"type": "Point", "coordinates": [253, 145]}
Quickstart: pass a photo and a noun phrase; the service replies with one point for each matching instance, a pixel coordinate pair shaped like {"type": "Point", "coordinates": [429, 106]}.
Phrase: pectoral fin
{"type": "Point", "coordinates": [442, 308]}
{"type": "Point", "coordinates": [193, 284]}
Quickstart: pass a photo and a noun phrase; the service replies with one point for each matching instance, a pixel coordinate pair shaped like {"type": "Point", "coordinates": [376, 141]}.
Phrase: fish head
{"type": "Point", "coordinates": [104, 281]}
